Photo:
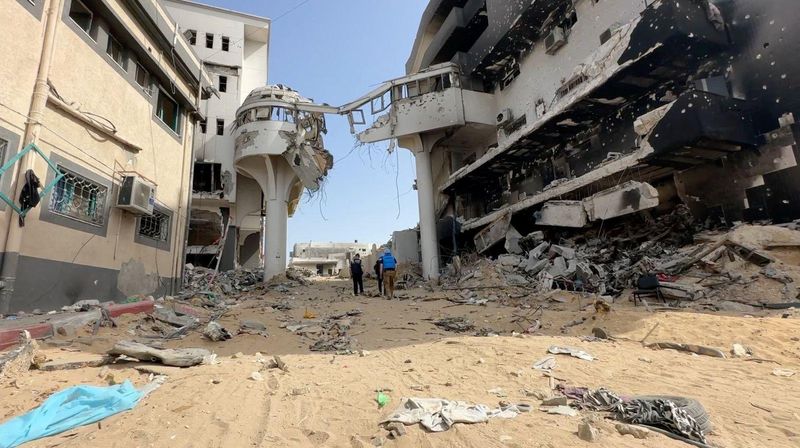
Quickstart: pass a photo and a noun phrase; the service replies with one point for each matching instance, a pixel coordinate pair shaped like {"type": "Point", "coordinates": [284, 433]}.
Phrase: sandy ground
{"type": "Point", "coordinates": [329, 400]}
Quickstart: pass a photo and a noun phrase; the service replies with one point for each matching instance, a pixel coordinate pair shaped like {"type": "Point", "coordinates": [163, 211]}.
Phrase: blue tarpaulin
{"type": "Point", "coordinates": [70, 408]}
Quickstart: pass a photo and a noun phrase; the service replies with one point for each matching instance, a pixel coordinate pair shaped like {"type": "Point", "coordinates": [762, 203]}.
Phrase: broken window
{"type": "Point", "coordinates": [223, 83]}
{"type": "Point", "coordinates": [220, 126]}
{"type": "Point", "coordinates": [77, 197]}
{"type": "Point", "coordinates": [155, 227]}
{"type": "Point", "coordinates": [143, 78]}
{"type": "Point", "coordinates": [82, 16]}
{"type": "Point", "coordinates": [203, 126]}
{"type": "Point", "coordinates": [191, 36]}
{"type": "Point", "coordinates": [412, 89]}
{"type": "Point", "coordinates": [381, 103]}
{"type": "Point", "coordinates": [168, 111]}
{"type": "Point", "coordinates": [115, 50]}
{"type": "Point", "coordinates": [262, 113]}
{"type": "Point", "coordinates": [207, 177]}
{"type": "Point", "coordinates": [209, 40]}
{"type": "Point", "coordinates": [226, 43]}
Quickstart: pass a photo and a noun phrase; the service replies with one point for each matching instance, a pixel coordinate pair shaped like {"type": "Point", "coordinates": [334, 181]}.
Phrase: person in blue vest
{"type": "Point", "coordinates": [388, 270]}
{"type": "Point", "coordinates": [357, 273]}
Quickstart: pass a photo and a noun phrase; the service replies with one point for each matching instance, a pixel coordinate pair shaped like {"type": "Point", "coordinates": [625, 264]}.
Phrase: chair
{"type": "Point", "coordinates": [647, 286]}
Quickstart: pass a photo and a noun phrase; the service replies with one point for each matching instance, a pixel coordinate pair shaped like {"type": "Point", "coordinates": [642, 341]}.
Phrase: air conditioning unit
{"type": "Point", "coordinates": [555, 40]}
{"type": "Point", "coordinates": [136, 196]}
{"type": "Point", "coordinates": [505, 117]}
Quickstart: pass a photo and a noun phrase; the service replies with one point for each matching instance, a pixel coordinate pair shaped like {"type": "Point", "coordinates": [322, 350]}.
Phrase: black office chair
{"type": "Point", "coordinates": [647, 286]}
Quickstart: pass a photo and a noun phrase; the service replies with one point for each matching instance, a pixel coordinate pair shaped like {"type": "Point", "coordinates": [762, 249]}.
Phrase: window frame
{"type": "Point", "coordinates": [166, 244]}
{"type": "Point", "coordinates": [210, 41]}
{"type": "Point", "coordinates": [122, 52]}
{"type": "Point", "coordinates": [165, 218]}
{"type": "Point", "coordinates": [225, 43]}
{"type": "Point", "coordinates": [192, 37]}
{"type": "Point", "coordinates": [203, 125]}
{"type": "Point", "coordinates": [221, 126]}
{"type": "Point", "coordinates": [91, 18]}
{"type": "Point", "coordinates": [158, 111]}
{"type": "Point", "coordinates": [146, 87]}
{"type": "Point", "coordinates": [222, 85]}
{"type": "Point", "coordinates": [58, 192]}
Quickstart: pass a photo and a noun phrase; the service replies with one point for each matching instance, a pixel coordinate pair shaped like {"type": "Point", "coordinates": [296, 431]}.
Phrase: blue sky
{"type": "Point", "coordinates": [335, 51]}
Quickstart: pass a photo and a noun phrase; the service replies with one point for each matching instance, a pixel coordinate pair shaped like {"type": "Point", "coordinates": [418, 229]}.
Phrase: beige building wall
{"type": "Point", "coordinates": [62, 260]}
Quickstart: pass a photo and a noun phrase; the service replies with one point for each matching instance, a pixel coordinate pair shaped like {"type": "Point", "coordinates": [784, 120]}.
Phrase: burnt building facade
{"type": "Point", "coordinates": [566, 113]}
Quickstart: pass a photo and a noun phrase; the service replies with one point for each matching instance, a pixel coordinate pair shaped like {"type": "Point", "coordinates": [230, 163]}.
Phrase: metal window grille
{"type": "Point", "coordinates": [155, 227]}
{"type": "Point", "coordinates": [77, 197]}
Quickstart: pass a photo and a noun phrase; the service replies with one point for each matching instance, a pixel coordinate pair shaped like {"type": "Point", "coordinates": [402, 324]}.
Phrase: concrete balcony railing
{"type": "Point", "coordinates": [430, 100]}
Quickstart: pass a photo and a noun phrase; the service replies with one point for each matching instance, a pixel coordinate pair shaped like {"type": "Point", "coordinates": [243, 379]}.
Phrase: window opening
{"type": "Point", "coordinates": [77, 197]}
{"type": "Point", "coordinates": [209, 40]}
{"type": "Point", "coordinates": [155, 227]}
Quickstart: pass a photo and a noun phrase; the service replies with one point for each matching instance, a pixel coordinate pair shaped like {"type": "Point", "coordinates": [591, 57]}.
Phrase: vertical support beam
{"type": "Point", "coordinates": [279, 181]}
{"type": "Point", "coordinates": [41, 91]}
{"type": "Point", "coordinates": [426, 195]}
{"type": "Point", "coordinates": [276, 231]}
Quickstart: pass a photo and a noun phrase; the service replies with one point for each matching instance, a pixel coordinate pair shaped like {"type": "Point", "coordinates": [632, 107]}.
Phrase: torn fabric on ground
{"type": "Point", "coordinates": [438, 415]}
{"type": "Point", "coordinates": [70, 408]}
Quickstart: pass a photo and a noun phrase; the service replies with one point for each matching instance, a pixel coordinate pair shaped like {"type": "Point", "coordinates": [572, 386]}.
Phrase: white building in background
{"type": "Point", "coordinates": [331, 259]}
{"type": "Point", "coordinates": [226, 207]}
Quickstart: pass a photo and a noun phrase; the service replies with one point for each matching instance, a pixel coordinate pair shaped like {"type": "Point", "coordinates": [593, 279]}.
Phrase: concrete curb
{"type": "Point", "coordinates": [145, 306]}
{"type": "Point", "coordinates": [10, 337]}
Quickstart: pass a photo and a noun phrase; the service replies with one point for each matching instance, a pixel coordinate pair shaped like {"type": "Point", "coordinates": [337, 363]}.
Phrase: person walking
{"type": "Point", "coordinates": [389, 266]}
{"type": "Point", "coordinates": [357, 273]}
{"type": "Point", "coordinates": [378, 268]}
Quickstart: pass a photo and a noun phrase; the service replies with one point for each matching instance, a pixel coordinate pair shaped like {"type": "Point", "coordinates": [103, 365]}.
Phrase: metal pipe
{"type": "Point", "coordinates": [41, 91]}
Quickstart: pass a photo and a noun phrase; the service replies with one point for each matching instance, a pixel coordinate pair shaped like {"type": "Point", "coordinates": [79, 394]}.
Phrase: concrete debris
{"type": "Point", "coordinates": [216, 332]}
{"type": "Point", "coordinates": [455, 324]}
{"type": "Point", "coordinates": [588, 432]}
{"type": "Point", "coordinates": [185, 357]}
{"type": "Point", "coordinates": [16, 362]}
{"type": "Point", "coordinates": [218, 285]}
{"type": "Point", "coordinates": [740, 351]}
{"type": "Point", "coordinates": [638, 432]}
{"type": "Point", "coordinates": [329, 334]}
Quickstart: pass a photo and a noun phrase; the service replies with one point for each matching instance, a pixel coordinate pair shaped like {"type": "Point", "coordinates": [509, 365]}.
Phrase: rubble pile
{"type": "Point", "coordinates": [330, 334]}
{"type": "Point", "coordinates": [689, 262]}
{"type": "Point", "coordinates": [200, 280]}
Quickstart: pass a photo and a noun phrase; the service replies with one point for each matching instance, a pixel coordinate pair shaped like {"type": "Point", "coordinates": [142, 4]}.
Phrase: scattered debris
{"type": "Point", "coordinates": [256, 376]}
{"type": "Point", "coordinates": [638, 432]}
{"type": "Point", "coordinates": [784, 372]}
{"type": "Point", "coordinates": [689, 348]}
{"type": "Point", "coordinates": [216, 332]}
{"type": "Point", "coordinates": [185, 357]}
{"type": "Point", "coordinates": [560, 410]}
{"type": "Point", "coordinates": [437, 415]}
{"type": "Point", "coordinates": [740, 351]}
{"type": "Point", "coordinates": [574, 352]}
{"type": "Point", "coordinates": [16, 362]}
{"type": "Point", "coordinates": [546, 363]}
{"type": "Point", "coordinates": [455, 324]}
{"type": "Point", "coordinates": [587, 432]}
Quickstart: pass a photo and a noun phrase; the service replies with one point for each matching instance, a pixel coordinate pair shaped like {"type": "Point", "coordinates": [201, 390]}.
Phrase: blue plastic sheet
{"type": "Point", "coordinates": [68, 409]}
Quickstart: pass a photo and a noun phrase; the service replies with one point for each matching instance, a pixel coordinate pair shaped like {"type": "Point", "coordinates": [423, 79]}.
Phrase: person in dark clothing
{"type": "Point", "coordinates": [378, 268]}
{"type": "Point", "coordinates": [357, 273]}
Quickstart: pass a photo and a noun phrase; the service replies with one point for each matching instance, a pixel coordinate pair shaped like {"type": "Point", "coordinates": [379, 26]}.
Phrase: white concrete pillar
{"type": "Point", "coordinates": [428, 239]}
{"type": "Point", "coordinates": [276, 232]}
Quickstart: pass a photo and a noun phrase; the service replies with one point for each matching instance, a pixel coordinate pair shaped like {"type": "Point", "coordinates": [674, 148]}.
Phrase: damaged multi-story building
{"type": "Point", "coordinates": [257, 150]}
{"type": "Point", "coordinates": [565, 113]}
{"type": "Point", "coordinates": [226, 214]}
{"type": "Point", "coordinates": [98, 101]}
